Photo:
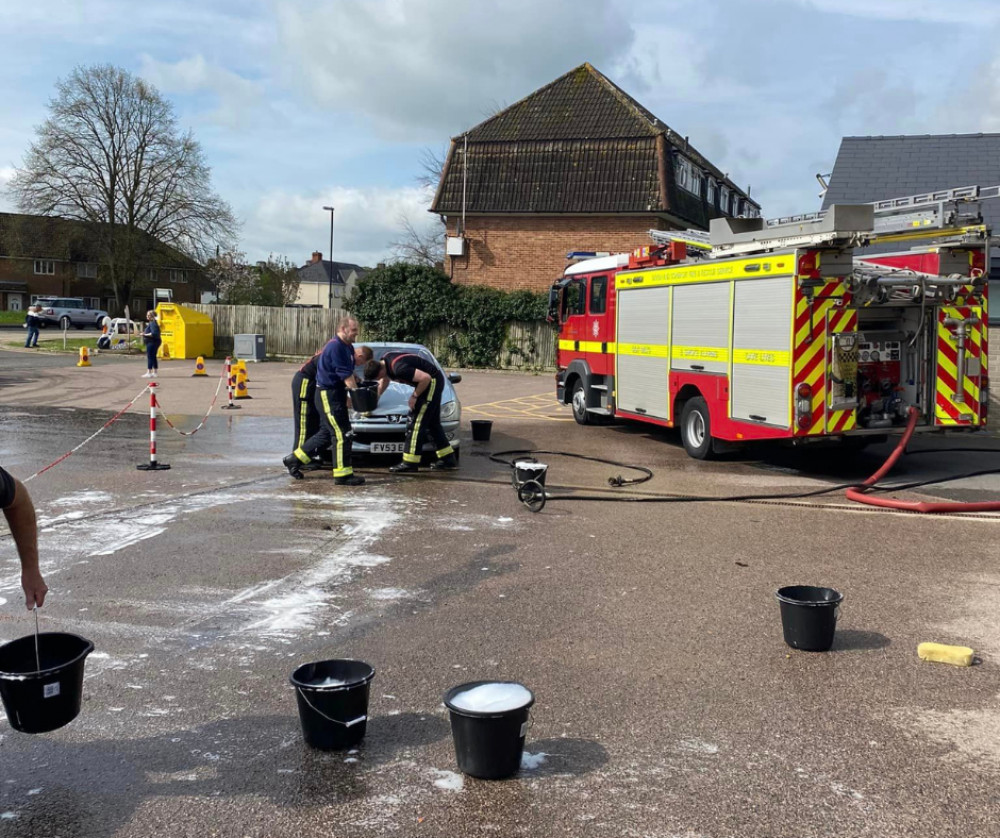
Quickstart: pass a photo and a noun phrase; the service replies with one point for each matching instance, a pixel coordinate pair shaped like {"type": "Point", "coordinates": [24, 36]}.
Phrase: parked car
{"type": "Point", "coordinates": [68, 311]}
{"type": "Point", "coordinates": [383, 430]}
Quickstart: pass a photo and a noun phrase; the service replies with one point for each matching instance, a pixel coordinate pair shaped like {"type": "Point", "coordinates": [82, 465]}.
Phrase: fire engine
{"type": "Point", "coordinates": [825, 326]}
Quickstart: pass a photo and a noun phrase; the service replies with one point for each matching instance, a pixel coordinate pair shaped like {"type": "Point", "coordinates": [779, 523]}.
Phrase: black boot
{"type": "Point", "coordinates": [404, 468]}
{"type": "Point", "coordinates": [448, 463]}
{"type": "Point", "coordinates": [350, 480]}
{"type": "Point", "coordinates": [291, 462]}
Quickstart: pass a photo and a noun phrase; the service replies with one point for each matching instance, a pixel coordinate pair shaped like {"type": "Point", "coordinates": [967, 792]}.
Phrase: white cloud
{"type": "Point", "coordinates": [366, 222]}
{"type": "Point", "coordinates": [979, 12]}
{"type": "Point", "coordinates": [238, 98]}
{"type": "Point", "coordinates": [420, 69]}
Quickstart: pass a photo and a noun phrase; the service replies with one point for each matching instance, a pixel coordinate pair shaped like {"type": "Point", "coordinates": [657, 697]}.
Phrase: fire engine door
{"type": "Point", "coordinates": [960, 332]}
{"type": "Point", "coordinates": [574, 309]}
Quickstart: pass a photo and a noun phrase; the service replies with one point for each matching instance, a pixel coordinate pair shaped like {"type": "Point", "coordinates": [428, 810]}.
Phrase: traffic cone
{"type": "Point", "coordinates": [199, 366]}
{"type": "Point", "coordinates": [84, 357]}
{"type": "Point", "coordinates": [241, 384]}
{"type": "Point", "coordinates": [241, 366]}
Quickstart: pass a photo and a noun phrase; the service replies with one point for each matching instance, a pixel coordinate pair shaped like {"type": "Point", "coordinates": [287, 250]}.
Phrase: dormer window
{"type": "Point", "coordinates": [687, 176]}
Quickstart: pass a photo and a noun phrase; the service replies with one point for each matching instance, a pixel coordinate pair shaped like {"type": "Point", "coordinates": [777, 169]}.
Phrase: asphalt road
{"type": "Point", "coordinates": [666, 702]}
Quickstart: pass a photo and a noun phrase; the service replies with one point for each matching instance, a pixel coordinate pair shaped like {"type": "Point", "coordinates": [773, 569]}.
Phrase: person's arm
{"type": "Point", "coordinates": [20, 516]}
{"type": "Point", "coordinates": [421, 381]}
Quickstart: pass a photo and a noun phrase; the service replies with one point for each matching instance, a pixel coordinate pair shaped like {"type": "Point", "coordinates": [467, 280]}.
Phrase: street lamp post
{"type": "Point", "coordinates": [329, 302]}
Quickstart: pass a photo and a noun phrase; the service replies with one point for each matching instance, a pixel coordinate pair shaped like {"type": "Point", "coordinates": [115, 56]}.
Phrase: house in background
{"type": "Point", "coordinates": [46, 256]}
{"type": "Point", "coordinates": [324, 284]}
{"type": "Point", "coordinates": [876, 168]}
{"type": "Point", "coordinates": [578, 165]}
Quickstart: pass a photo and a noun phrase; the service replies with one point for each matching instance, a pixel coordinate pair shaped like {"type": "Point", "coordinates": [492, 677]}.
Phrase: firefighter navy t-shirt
{"type": "Point", "coordinates": [336, 362]}
{"type": "Point", "coordinates": [6, 489]}
{"type": "Point", "coordinates": [400, 366]}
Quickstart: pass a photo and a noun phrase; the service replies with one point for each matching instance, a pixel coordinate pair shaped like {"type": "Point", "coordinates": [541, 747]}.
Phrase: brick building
{"type": "Point", "coordinates": [577, 165]}
{"type": "Point", "coordinates": [46, 256]}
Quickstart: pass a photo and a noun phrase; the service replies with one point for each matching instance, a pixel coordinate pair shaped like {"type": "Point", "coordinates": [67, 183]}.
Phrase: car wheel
{"type": "Point", "coordinates": [579, 402]}
{"type": "Point", "coordinates": [65, 322]}
{"type": "Point", "coordinates": [696, 429]}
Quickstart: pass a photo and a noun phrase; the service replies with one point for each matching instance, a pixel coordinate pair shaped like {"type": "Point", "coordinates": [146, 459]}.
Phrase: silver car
{"type": "Point", "coordinates": [383, 430]}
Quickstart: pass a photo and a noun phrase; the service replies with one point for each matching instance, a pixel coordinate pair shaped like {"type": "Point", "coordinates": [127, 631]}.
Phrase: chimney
{"type": "Point", "coordinates": [317, 257]}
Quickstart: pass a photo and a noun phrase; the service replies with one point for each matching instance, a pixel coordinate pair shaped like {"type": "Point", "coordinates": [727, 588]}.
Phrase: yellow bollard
{"type": "Point", "coordinates": [84, 357]}
{"type": "Point", "coordinates": [199, 366]}
{"type": "Point", "coordinates": [241, 384]}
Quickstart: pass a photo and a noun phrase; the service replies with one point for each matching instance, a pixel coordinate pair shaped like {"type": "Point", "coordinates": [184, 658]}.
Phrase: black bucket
{"type": "Point", "coordinates": [334, 716]}
{"type": "Point", "coordinates": [488, 745]}
{"type": "Point", "coordinates": [364, 399]}
{"type": "Point", "coordinates": [809, 616]}
{"type": "Point", "coordinates": [481, 429]}
{"type": "Point", "coordinates": [39, 700]}
{"type": "Point", "coordinates": [530, 469]}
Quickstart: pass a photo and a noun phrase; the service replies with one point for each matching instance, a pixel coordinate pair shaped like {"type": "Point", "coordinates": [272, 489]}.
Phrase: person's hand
{"type": "Point", "coordinates": [413, 401]}
{"type": "Point", "coordinates": [35, 589]}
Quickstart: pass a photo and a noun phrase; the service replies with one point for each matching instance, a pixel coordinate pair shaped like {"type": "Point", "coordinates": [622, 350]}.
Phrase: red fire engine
{"type": "Point", "coordinates": [816, 327]}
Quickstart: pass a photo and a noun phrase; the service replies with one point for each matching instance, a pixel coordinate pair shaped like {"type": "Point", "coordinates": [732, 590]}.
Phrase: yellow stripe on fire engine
{"type": "Point", "coordinates": [700, 353]}
{"type": "Point", "coordinates": [587, 346]}
{"type": "Point", "coordinates": [732, 269]}
{"type": "Point", "coordinates": [762, 357]}
{"type": "Point", "coordinates": [644, 350]}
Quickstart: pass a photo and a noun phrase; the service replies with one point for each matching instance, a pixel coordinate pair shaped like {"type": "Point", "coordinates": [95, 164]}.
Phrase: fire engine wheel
{"type": "Point", "coordinates": [696, 429]}
{"type": "Point", "coordinates": [579, 402]}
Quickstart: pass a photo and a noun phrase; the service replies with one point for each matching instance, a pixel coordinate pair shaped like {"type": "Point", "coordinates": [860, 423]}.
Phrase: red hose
{"type": "Point", "coordinates": [859, 493]}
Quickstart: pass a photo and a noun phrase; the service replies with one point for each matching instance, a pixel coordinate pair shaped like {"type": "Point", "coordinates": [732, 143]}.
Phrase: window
{"type": "Point", "coordinates": [724, 198]}
{"type": "Point", "coordinates": [178, 276]}
{"type": "Point", "coordinates": [152, 274]}
{"type": "Point", "coordinates": [598, 294]}
{"type": "Point", "coordinates": [92, 302]}
{"type": "Point", "coordinates": [45, 266]}
{"type": "Point", "coordinates": [687, 176]}
{"type": "Point", "coordinates": [712, 192]}
{"type": "Point", "coordinates": [86, 270]}
{"type": "Point", "coordinates": [574, 298]}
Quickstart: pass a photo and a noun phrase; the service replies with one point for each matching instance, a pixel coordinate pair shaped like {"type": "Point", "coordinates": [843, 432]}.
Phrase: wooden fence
{"type": "Point", "coordinates": [302, 331]}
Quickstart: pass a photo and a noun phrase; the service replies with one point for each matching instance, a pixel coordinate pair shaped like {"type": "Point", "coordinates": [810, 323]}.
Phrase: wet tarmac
{"type": "Point", "coordinates": [666, 701]}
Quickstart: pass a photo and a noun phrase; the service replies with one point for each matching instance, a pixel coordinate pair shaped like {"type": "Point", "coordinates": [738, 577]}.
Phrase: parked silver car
{"type": "Point", "coordinates": [68, 311]}
{"type": "Point", "coordinates": [383, 430]}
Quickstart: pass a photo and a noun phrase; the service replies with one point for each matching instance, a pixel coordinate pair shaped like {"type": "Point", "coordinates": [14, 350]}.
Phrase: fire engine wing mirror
{"type": "Point", "coordinates": [555, 300]}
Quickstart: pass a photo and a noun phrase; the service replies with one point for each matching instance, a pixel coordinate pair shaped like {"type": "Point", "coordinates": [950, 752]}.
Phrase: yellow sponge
{"type": "Point", "coordinates": [942, 653]}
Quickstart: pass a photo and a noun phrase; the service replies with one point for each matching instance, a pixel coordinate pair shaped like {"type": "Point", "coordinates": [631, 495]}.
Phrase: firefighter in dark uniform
{"type": "Point", "coordinates": [425, 406]}
{"type": "Point", "coordinates": [334, 376]}
{"type": "Point", "coordinates": [304, 411]}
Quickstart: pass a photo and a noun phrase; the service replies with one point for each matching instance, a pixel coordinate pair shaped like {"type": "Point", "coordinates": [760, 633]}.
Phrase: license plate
{"type": "Point", "coordinates": [387, 448]}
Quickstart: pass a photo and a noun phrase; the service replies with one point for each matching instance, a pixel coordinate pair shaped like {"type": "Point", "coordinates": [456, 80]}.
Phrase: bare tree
{"type": "Point", "coordinates": [274, 282]}
{"type": "Point", "coordinates": [110, 154]}
{"type": "Point", "coordinates": [423, 246]}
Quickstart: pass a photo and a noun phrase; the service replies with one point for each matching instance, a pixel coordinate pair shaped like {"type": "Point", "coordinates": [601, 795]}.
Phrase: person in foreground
{"type": "Point", "coordinates": [427, 381]}
{"type": "Point", "coordinates": [20, 514]}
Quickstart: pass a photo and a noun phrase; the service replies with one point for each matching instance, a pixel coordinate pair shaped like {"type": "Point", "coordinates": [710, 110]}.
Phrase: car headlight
{"type": "Point", "coordinates": [450, 411]}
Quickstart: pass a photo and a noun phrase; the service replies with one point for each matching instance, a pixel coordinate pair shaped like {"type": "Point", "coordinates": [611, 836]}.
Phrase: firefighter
{"type": "Point", "coordinates": [425, 407]}
{"type": "Point", "coordinates": [334, 377]}
{"type": "Point", "coordinates": [304, 411]}
{"type": "Point", "coordinates": [20, 514]}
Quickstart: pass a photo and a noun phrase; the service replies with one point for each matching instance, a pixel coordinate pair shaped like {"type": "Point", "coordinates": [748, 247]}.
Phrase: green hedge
{"type": "Point", "coordinates": [404, 302]}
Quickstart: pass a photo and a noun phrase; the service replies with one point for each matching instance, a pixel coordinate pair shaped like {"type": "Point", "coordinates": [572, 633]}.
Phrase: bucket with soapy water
{"type": "Point", "coordinates": [489, 720]}
{"type": "Point", "coordinates": [42, 687]}
{"type": "Point", "coordinates": [333, 702]}
{"type": "Point", "coordinates": [530, 469]}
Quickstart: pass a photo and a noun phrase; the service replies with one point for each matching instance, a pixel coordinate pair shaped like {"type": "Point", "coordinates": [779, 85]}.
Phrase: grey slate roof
{"type": "Point", "coordinates": [874, 168]}
{"type": "Point", "coordinates": [320, 272]}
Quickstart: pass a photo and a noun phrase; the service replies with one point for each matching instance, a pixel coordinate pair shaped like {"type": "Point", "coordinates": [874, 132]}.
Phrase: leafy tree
{"type": "Point", "coordinates": [274, 282]}
{"type": "Point", "coordinates": [110, 154]}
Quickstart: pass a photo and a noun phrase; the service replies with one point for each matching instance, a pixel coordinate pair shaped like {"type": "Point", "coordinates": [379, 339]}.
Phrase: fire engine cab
{"type": "Point", "coordinates": [826, 326]}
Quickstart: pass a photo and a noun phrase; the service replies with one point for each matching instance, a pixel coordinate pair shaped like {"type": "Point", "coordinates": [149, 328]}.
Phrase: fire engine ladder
{"type": "Point", "coordinates": [912, 216]}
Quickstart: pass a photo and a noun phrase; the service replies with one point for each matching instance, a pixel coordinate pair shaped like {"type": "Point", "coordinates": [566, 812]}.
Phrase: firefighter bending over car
{"type": "Point", "coordinates": [334, 377]}
{"type": "Point", "coordinates": [304, 412]}
{"type": "Point", "coordinates": [425, 406]}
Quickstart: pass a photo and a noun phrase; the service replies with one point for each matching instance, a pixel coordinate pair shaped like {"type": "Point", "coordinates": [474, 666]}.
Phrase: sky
{"type": "Point", "coordinates": [301, 104]}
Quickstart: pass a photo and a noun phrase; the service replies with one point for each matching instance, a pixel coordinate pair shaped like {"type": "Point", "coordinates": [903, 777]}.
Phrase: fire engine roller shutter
{"type": "Point", "coordinates": [643, 339]}
{"type": "Point", "coordinates": [761, 383]}
{"type": "Point", "coordinates": [701, 327]}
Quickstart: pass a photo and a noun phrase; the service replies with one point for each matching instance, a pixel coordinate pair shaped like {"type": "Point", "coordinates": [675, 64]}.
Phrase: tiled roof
{"type": "Point", "coordinates": [48, 237]}
{"type": "Point", "coordinates": [578, 145]}
{"type": "Point", "coordinates": [320, 272]}
{"type": "Point", "coordinates": [875, 168]}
